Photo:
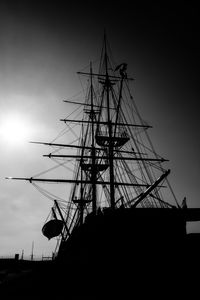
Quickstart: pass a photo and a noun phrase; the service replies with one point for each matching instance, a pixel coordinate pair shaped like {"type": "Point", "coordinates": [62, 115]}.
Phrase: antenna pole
{"type": "Point", "coordinates": [32, 250]}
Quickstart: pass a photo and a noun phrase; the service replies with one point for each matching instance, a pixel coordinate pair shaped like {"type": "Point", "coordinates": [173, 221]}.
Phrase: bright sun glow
{"type": "Point", "coordinates": [14, 129]}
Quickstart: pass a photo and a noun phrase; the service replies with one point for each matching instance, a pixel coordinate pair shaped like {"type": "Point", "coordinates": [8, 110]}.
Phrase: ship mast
{"type": "Point", "coordinates": [93, 152]}
{"type": "Point", "coordinates": [110, 146]}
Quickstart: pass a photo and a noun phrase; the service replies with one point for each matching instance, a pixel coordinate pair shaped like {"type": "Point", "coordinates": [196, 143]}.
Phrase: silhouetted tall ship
{"type": "Point", "coordinates": [121, 206]}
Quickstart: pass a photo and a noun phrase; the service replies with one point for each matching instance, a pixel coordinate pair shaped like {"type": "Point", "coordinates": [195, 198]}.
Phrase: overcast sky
{"type": "Point", "coordinates": [42, 46]}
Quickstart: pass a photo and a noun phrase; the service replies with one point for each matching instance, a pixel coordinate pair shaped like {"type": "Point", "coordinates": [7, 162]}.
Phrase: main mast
{"type": "Point", "coordinates": [93, 152]}
{"type": "Point", "coordinates": [110, 144]}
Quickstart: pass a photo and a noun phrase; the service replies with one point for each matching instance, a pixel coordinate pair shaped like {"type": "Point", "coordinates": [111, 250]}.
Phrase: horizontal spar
{"type": "Point", "coordinates": [105, 123]}
{"type": "Point", "coordinates": [64, 145]}
{"type": "Point", "coordinates": [103, 75]}
{"type": "Point", "coordinates": [84, 147]}
{"type": "Point", "coordinates": [86, 104]}
{"type": "Point", "coordinates": [105, 157]}
{"type": "Point", "coordinates": [74, 181]}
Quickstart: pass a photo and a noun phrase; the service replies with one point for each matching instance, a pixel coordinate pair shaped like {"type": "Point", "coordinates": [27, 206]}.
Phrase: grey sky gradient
{"type": "Point", "coordinates": [42, 46]}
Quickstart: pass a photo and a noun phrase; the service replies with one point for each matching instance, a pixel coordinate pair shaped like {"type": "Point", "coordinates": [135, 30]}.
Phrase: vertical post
{"type": "Point", "coordinates": [16, 257]}
{"type": "Point", "coordinates": [118, 105]}
{"type": "Point", "coordinates": [110, 146]}
{"type": "Point", "coordinates": [60, 213]}
{"type": "Point", "coordinates": [81, 204]}
{"type": "Point", "coordinates": [54, 214]}
{"type": "Point", "coordinates": [32, 250]}
{"type": "Point", "coordinates": [93, 152]}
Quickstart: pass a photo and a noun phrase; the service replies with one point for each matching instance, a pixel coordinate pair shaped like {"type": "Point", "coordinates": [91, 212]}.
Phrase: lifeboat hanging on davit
{"type": "Point", "coordinates": [52, 228]}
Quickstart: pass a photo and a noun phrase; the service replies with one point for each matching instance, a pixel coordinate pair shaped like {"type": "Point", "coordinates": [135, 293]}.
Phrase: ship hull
{"type": "Point", "coordinates": [132, 253]}
{"type": "Point", "coordinates": [133, 248]}
{"type": "Point", "coordinates": [127, 234]}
